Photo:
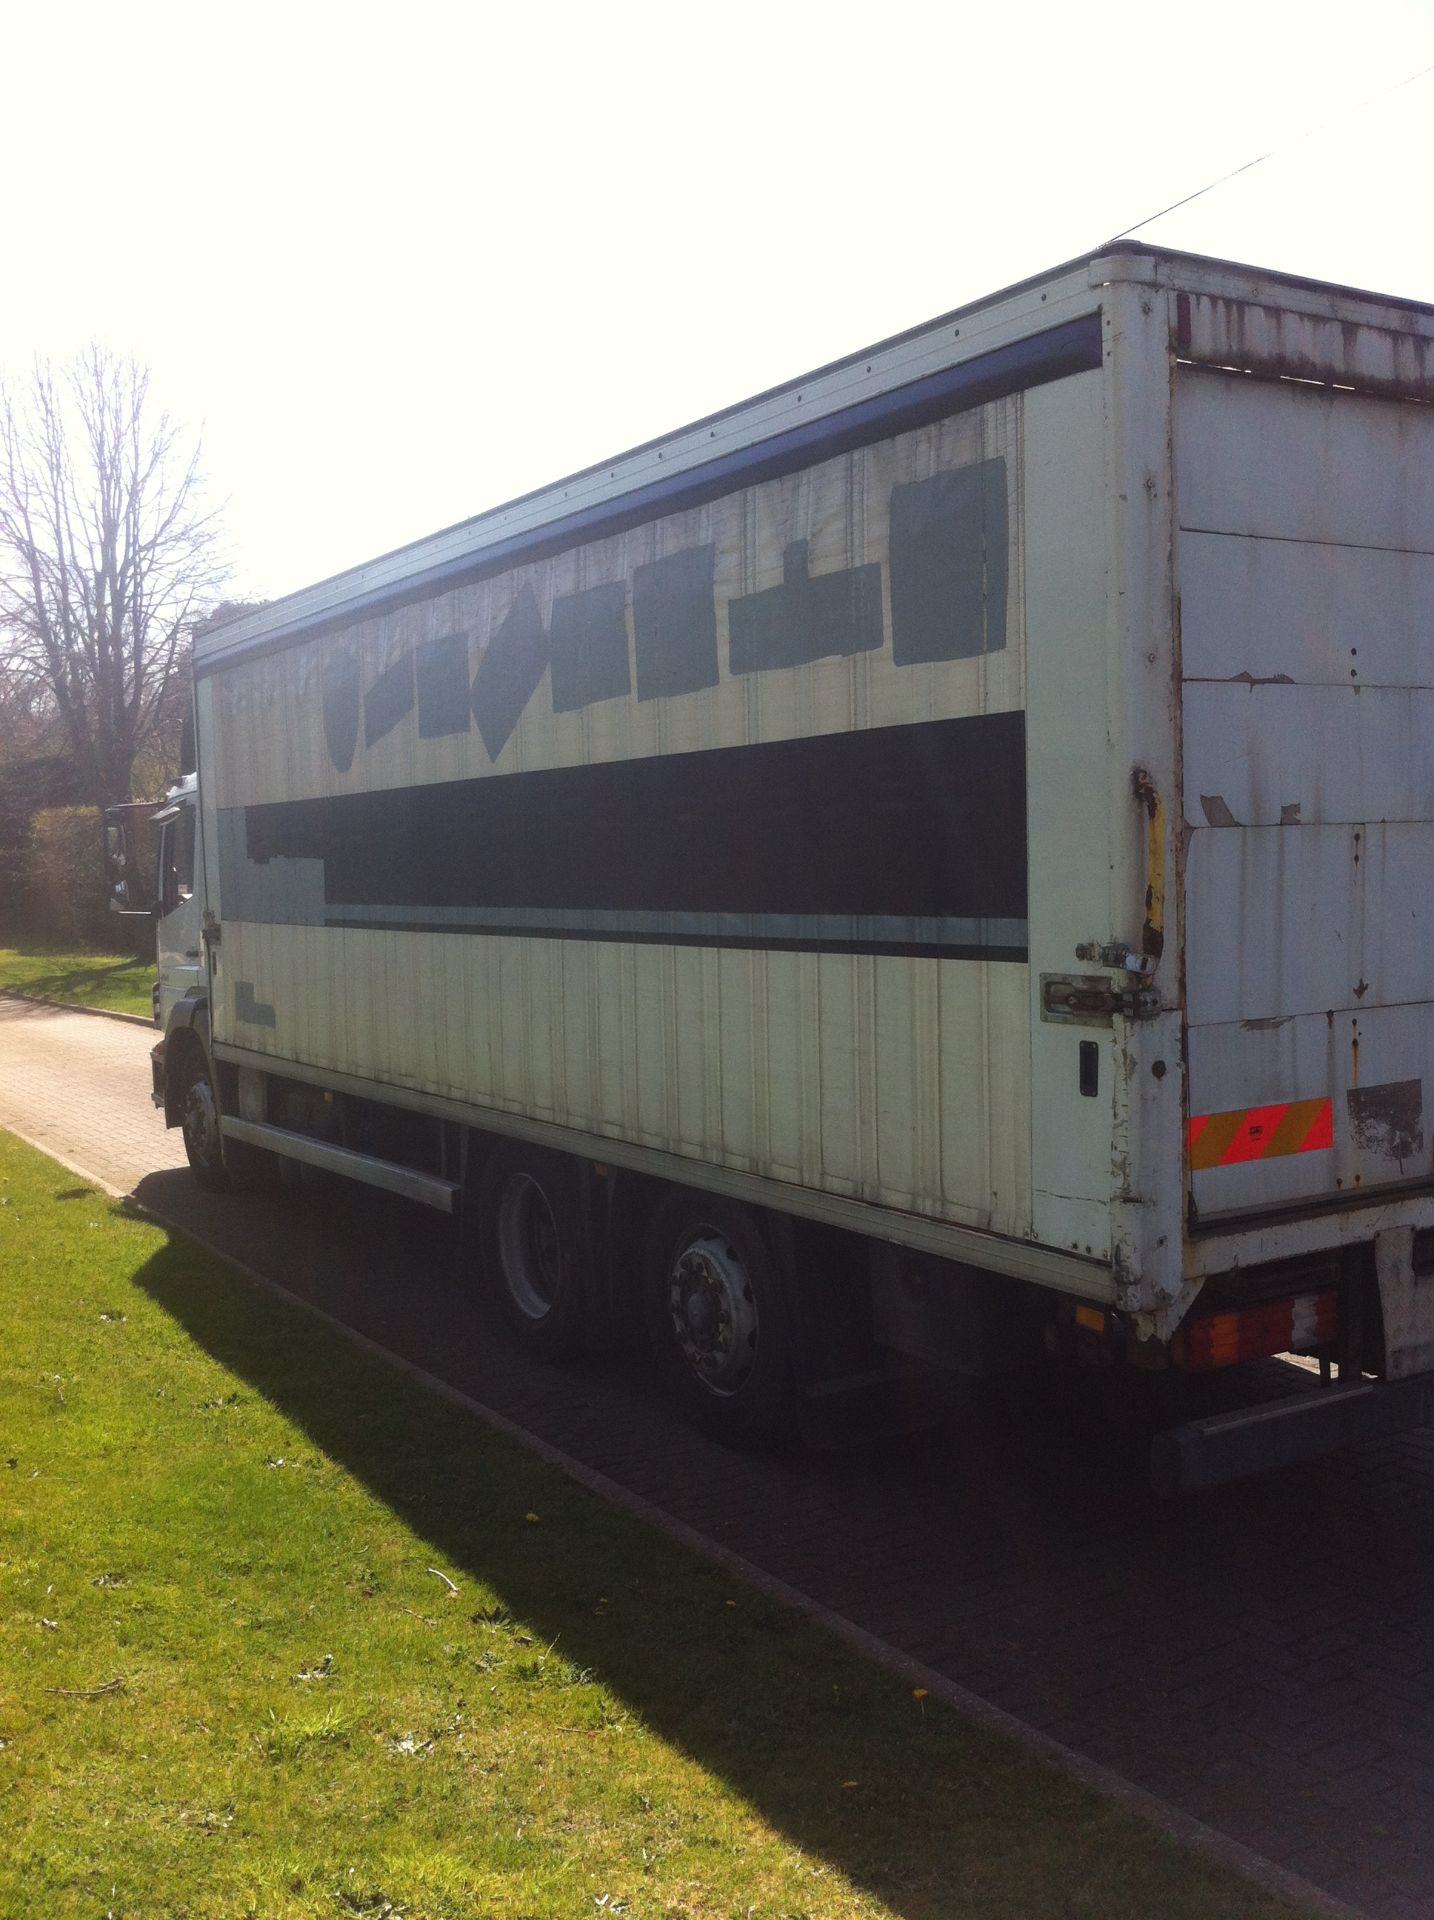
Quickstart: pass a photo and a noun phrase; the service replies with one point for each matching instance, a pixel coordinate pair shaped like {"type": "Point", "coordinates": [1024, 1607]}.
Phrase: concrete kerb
{"type": "Point", "coordinates": [72, 1166]}
{"type": "Point", "coordinates": [1212, 1845]}
{"type": "Point", "coordinates": [69, 1006]}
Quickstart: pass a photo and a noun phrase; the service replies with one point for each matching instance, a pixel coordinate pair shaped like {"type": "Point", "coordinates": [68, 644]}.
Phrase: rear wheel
{"type": "Point", "coordinates": [718, 1318]}
{"type": "Point", "coordinates": [530, 1247]}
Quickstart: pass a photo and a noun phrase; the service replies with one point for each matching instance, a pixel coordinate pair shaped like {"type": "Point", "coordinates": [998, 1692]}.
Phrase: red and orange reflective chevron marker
{"type": "Point", "coordinates": [1260, 1133]}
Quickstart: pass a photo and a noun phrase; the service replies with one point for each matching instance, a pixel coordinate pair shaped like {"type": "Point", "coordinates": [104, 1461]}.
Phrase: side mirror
{"type": "Point", "coordinates": [125, 879]}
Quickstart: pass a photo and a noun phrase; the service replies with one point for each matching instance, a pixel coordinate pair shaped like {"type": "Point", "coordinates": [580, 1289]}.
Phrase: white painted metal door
{"type": "Point", "coordinates": [180, 954]}
{"type": "Point", "coordinates": [1306, 572]}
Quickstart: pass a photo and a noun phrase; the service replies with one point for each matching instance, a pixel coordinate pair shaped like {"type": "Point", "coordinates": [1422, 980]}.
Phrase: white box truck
{"type": "Point", "coordinates": [935, 861]}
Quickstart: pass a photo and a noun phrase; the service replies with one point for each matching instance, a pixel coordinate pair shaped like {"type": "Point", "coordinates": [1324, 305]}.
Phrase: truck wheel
{"type": "Point", "coordinates": [199, 1122]}
{"type": "Point", "coordinates": [530, 1248]}
{"type": "Point", "coordinates": [718, 1318]}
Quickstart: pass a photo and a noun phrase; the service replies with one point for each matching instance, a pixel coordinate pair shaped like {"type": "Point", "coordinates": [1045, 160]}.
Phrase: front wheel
{"type": "Point", "coordinates": [718, 1318]}
{"type": "Point", "coordinates": [199, 1122]}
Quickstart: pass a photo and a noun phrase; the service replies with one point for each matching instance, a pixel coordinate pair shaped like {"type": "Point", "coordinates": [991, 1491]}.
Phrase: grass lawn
{"type": "Point", "coordinates": [281, 1634]}
{"type": "Point", "coordinates": [113, 980]}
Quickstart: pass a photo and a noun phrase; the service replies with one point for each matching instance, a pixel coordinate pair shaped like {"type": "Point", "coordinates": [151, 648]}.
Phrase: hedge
{"type": "Point", "coordinates": [65, 902]}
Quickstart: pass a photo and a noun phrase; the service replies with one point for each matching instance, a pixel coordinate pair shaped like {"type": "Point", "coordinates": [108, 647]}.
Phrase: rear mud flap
{"type": "Point", "coordinates": [1406, 1303]}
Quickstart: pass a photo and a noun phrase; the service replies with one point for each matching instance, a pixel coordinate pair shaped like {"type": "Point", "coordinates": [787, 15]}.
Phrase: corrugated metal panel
{"type": "Point", "coordinates": [1312, 755]}
{"type": "Point", "coordinates": [1307, 582]}
{"type": "Point", "coordinates": [897, 1081]}
{"type": "Point", "coordinates": [1282, 460]}
{"type": "Point", "coordinates": [1294, 610]}
{"type": "Point", "coordinates": [1300, 919]}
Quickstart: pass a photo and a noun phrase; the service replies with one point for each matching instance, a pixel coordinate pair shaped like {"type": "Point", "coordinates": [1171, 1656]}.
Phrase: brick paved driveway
{"type": "Point", "coordinates": [1260, 1656]}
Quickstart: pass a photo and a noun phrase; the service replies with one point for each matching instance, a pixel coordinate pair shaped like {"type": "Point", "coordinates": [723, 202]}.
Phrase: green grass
{"type": "Point", "coordinates": [232, 1681]}
{"type": "Point", "coordinates": [113, 980]}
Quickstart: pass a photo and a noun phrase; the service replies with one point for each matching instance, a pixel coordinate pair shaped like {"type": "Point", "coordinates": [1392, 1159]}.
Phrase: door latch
{"type": "Point", "coordinates": [1116, 954]}
{"type": "Point", "coordinates": [1090, 1000]}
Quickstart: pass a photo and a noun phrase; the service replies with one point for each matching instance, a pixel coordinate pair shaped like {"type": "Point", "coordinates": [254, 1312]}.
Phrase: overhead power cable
{"type": "Point", "coordinates": [1245, 166]}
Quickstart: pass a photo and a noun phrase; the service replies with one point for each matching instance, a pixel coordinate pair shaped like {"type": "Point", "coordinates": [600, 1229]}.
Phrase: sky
{"type": "Point", "coordinates": [400, 264]}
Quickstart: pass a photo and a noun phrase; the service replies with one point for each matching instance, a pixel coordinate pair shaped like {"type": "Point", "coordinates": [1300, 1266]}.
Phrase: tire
{"type": "Point", "coordinates": [530, 1248]}
{"type": "Point", "coordinates": [718, 1318]}
{"type": "Point", "coordinates": [199, 1121]}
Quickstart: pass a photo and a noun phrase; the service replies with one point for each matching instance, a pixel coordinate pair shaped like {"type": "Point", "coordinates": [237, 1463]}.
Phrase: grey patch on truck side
{"type": "Point", "coordinates": [389, 699]}
{"type": "Point", "coordinates": [250, 1011]}
{"type": "Point", "coordinates": [441, 674]}
{"type": "Point", "coordinates": [949, 565]}
{"type": "Point", "coordinates": [1217, 813]}
{"type": "Point", "coordinates": [1388, 1120]}
{"type": "Point", "coordinates": [674, 624]}
{"type": "Point", "coordinates": [588, 636]}
{"type": "Point", "coordinates": [341, 708]}
{"type": "Point", "coordinates": [510, 671]}
{"type": "Point", "coordinates": [279, 892]}
{"type": "Point", "coordinates": [806, 619]}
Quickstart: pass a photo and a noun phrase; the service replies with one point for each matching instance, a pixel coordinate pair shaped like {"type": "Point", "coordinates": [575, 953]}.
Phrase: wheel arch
{"type": "Point", "coordinates": [188, 1028]}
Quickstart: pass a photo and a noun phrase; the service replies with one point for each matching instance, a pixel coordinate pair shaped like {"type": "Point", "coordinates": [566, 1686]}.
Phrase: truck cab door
{"type": "Point", "coordinates": [129, 855]}
{"type": "Point", "coordinates": [182, 972]}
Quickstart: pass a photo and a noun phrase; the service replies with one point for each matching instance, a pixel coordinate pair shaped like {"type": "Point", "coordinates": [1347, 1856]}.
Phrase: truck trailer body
{"type": "Point", "coordinates": [978, 798]}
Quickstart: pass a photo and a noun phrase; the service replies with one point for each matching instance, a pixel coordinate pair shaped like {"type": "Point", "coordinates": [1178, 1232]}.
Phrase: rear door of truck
{"type": "Point", "coordinates": [1305, 570]}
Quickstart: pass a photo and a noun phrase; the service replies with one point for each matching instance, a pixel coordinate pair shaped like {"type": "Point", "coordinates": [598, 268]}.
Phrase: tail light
{"type": "Point", "coordinates": [1253, 1333]}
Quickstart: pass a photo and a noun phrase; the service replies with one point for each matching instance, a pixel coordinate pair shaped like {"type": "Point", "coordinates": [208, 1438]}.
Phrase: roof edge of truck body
{"type": "Point", "coordinates": [590, 508]}
{"type": "Point", "coordinates": [696, 461]}
{"type": "Point", "coordinates": [1243, 280]}
{"type": "Point", "coordinates": [1036, 330]}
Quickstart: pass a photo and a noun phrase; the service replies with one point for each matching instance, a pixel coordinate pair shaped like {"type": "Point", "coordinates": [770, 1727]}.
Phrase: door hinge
{"type": "Point", "coordinates": [1090, 1000]}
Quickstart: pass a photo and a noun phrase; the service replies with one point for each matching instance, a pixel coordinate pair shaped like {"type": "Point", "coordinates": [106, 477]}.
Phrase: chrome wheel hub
{"type": "Point", "coordinates": [714, 1312]}
{"type": "Point", "coordinates": [200, 1124]}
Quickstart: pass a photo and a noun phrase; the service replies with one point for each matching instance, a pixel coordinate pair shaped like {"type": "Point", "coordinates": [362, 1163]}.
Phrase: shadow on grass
{"type": "Point", "coordinates": [80, 979]}
{"type": "Point", "coordinates": [945, 1819]}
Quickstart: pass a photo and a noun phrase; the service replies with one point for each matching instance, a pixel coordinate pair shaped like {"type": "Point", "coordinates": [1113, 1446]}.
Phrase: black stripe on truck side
{"type": "Point", "coordinates": [904, 839]}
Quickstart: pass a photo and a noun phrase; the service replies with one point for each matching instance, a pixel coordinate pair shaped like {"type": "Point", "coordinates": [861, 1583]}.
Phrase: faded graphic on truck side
{"type": "Point", "coordinates": [947, 560]}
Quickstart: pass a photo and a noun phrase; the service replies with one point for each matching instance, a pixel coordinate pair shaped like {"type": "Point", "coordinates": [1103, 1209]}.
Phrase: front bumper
{"type": "Point", "coordinates": [156, 1068]}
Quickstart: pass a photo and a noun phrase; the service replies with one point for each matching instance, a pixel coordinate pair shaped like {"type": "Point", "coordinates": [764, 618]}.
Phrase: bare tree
{"type": "Point", "coordinates": [26, 714]}
{"type": "Point", "coordinates": [108, 556]}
